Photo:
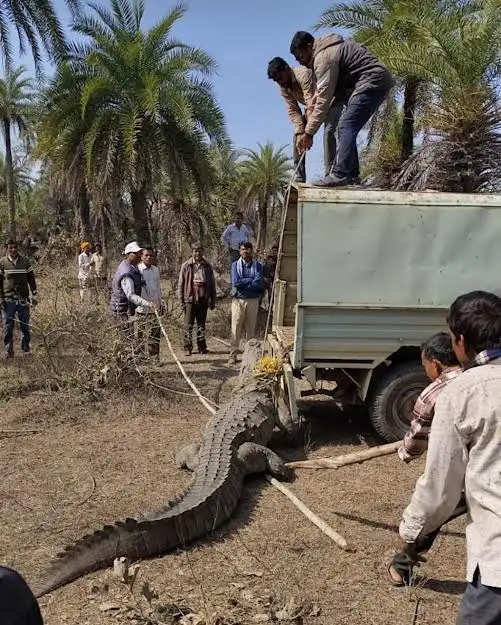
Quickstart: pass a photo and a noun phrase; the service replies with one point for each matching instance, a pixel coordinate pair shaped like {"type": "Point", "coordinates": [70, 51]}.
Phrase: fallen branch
{"type": "Point", "coordinates": [316, 520]}
{"type": "Point", "coordinates": [341, 461]}
{"type": "Point", "coordinates": [20, 431]}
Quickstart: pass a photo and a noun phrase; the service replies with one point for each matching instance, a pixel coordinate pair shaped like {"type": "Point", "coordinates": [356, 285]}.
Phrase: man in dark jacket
{"type": "Point", "coordinates": [341, 63]}
{"type": "Point", "coordinates": [18, 606]}
{"type": "Point", "coordinates": [247, 288]}
{"type": "Point", "coordinates": [197, 292]}
{"type": "Point", "coordinates": [17, 289]}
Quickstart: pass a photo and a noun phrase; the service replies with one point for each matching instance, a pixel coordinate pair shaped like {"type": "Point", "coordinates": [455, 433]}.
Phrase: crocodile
{"type": "Point", "coordinates": [234, 444]}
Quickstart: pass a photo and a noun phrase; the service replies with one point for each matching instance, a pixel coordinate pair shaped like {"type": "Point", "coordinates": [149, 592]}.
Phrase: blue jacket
{"type": "Point", "coordinates": [247, 288]}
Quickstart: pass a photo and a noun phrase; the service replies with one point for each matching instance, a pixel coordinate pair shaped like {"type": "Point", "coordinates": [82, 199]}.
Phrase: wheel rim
{"type": "Point", "coordinates": [402, 406]}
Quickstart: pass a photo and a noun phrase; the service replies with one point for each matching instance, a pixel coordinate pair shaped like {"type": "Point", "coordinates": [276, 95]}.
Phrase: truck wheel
{"type": "Point", "coordinates": [393, 398]}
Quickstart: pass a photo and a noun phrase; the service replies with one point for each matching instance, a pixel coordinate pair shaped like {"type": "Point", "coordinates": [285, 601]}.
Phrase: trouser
{"type": "Point", "coordinates": [18, 606]}
{"type": "Point", "coordinates": [195, 312]}
{"type": "Point", "coordinates": [330, 142]}
{"type": "Point", "coordinates": [359, 110]}
{"type": "Point", "coordinates": [481, 605]}
{"type": "Point", "coordinates": [234, 255]}
{"type": "Point", "coordinates": [401, 562]}
{"type": "Point", "coordinates": [243, 321]}
{"type": "Point", "coordinates": [148, 333]}
{"type": "Point", "coordinates": [124, 323]}
{"type": "Point", "coordinates": [11, 310]}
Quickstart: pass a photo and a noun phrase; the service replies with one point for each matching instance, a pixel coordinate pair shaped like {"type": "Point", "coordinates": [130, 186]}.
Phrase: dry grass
{"type": "Point", "coordinates": [93, 461]}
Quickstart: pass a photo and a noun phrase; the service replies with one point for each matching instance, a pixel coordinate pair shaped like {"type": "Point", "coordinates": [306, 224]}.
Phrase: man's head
{"type": "Point", "coordinates": [474, 323]}
{"type": "Point", "coordinates": [437, 355]}
{"type": "Point", "coordinates": [197, 251]}
{"type": "Point", "coordinates": [238, 219]}
{"type": "Point", "coordinates": [12, 248]}
{"type": "Point", "coordinates": [273, 252]}
{"type": "Point", "coordinates": [280, 72]}
{"type": "Point", "coordinates": [133, 253]}
{"type": "Point", "coordinates": [147, 256]}
{"type": "Point", "coordinates": [85, 247]}
{"type": "Point", "coordinates": [246, 251]}
{"type": "Point", "coordinates": [302, 48]}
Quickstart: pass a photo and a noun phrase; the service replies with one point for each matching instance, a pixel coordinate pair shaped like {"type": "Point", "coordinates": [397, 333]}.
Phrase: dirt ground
{"type": "Point", "coordinates": [84, 465]}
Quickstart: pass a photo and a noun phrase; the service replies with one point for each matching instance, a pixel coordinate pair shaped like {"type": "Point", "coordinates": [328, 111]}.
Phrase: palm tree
{"type": "Point", "coordinates": [61, 137]}
{"type": "Point", "coordinates": [150, 108]}
{"type": "Point", "coordinates": [15, 99]}
{"type": "Point", "coordinates": [462, 148]}
{"type": "Point", "coordinates": [36, 26]}
{"type": "Point", "coordinates": [264, 176]}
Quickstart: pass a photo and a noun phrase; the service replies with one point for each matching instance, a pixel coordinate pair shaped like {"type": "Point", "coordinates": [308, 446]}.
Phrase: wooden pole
{"type": "Point", "coordinates": [341, 461]}
{"type": "Point", "coordinates": [316, 520]}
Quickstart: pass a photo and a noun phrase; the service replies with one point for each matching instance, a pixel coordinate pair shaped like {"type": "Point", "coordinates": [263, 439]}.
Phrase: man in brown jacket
{"type": "Point", "coordinates": [297, 87]}
{"type": "Point", "coordinates": [197, 293]}
{"type": "Point", "coordinates": [346, 64]}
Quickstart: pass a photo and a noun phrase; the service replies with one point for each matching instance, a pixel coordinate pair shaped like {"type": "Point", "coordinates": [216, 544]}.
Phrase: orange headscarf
{"type": "Point", "coordinates": [84, 246]}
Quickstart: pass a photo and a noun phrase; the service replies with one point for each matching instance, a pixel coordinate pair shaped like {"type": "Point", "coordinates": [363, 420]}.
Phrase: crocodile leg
{"type": "Point", "coordinates": [187, 457]}
{"type": "Point", "coordinates": [259, 459]}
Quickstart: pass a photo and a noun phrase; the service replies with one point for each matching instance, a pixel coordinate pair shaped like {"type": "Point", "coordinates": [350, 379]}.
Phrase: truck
{"type": "Point", "coordinates": [363, 277]}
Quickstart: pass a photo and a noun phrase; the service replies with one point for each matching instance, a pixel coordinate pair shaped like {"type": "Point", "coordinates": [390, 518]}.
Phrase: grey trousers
{"type": "Point", "coordinates": [481, 605]}
{"type": "Point", "coordinates": [330, 141]}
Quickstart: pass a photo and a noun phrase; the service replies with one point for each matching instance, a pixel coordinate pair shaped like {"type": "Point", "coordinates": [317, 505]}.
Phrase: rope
{"type": "Point", "coordinates": [280, 245]}
{"type": "Point", "coordinates": [203, 400]}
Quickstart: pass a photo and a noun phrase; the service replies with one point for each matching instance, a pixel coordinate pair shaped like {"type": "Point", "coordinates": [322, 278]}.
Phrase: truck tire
{"type": "Point", "coordinates": [393, 397]}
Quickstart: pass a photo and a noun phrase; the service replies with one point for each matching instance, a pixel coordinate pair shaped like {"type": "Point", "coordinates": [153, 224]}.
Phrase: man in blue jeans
{"type": "Point", "coordinates": [341, 65]}
{"type": "Point", "coordinates": [17, 288]}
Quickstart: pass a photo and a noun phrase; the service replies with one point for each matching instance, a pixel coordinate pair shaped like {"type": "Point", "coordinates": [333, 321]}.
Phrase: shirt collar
{"type": "Point", "coordinates": [483, 358]}
{"type": "Point", "coordinates": [12, 260]}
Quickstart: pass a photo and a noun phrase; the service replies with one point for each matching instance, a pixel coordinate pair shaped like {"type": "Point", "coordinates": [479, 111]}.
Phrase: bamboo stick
{"type": "Point", "coordinates": [316, 520]}
{"type": "Point", "coordinates": [341, 461]}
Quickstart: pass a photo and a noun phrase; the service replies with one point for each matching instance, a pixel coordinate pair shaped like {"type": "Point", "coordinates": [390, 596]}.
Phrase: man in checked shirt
{"type": "Point", "coordinates": [441, 366]}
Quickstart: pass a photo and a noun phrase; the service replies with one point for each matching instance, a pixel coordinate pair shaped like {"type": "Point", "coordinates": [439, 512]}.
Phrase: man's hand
{"type": "Point", "coordinates": [34, 300]}
{"type": "Point", "coordinates": [410, 551]}
{"type": "Point", "coordinates": [304, 143]}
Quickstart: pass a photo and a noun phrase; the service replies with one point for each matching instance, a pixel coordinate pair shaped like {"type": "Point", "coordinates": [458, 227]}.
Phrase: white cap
{"type": "Point", "coordinates": [132, 248]}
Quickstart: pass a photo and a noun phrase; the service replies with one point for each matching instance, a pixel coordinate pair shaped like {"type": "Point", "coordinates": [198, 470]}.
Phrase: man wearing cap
{"type": "Point", "coordinates": [85, 264]}
{"type": "Point", "coordinates": [126, 288]}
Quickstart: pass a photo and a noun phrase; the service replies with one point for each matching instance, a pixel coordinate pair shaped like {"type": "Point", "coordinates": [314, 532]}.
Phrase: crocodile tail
{"type": "Point", "coordinates": [96, 551]}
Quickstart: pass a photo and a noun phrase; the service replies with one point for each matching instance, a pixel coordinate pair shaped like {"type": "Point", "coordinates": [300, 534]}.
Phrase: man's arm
{"type": "Point", "coordinates": [32, 282]}
{"type": "Point", "coordinates": [2, 294]}
{"type": "Point", "coordinates": [226, 236]}
{"type": "Point", "coordinates": [180, 285]}
{"type": "Point", "coordinates": [236, 280]}
{"type": "Point", "coordinates": [257, 281]}
{"type": "Point", "coordinates": [128, 288]}
{"type": "Point", "coordinates": [416, 439]}
{"type": "Point", "coordinates": [212, 287]}
{"type": "Point", "coordinates": [327, 75]}
{"type": "Point", "coordinates": [293, 111]}
{"type": "Point", "coordinates": [438, 490]}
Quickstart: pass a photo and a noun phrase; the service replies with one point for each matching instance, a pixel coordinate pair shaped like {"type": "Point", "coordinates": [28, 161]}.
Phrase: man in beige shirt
{"type": "Point", "coordinates": [464, 452]}
{"type": "Point", "coordinates": [297, 87]}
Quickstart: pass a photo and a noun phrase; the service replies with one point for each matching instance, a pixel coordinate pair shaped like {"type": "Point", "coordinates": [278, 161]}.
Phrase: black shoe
{"type": "Point", "coordinates": [331, 181]}
{"type": "Point", "coordinates": [187, 352]}
{"type": "Point", "coordinates": [299, 178]}
{"type": "Point", "coordinates": [203, 351]}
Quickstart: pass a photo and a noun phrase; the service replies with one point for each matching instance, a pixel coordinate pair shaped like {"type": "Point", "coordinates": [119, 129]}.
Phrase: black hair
{"type": "Point", "coordinates": [238, 214]}
{"type": "Point", "coordinates": [439, 347]}
{"type": "Point", "coordinates": [276, 65]}
{"type": "Point", "coordinates": [247, 245]}
{"type": "Point", "coordinates": [11, 242]}
{"type": "Point", "coordinates": [477, 317]}
{"type": "Point", "coordinates": [300, 40]}
{"type": "Point", "coordinates": [148, 249]}
{"type": "Point", "coordinates": [196, 244]}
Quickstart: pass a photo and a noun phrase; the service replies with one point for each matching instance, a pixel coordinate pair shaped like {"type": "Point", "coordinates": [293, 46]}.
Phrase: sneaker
{"type": "Point", "coordinates": [187, 352]}
{"type": "Point", "coordinates": [332, 181]}
{"type": "Point", "coordinates": [300, 179]}
{"type": "Point", "coordinates": [203, 351]}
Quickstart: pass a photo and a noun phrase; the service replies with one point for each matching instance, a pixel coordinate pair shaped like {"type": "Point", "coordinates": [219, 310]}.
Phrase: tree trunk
{"type": "Point", "coordinates": [140, 215]}
{"type": "Point", "coordinates": [103, 232]}
{"type": "Point", "coordinates": [84, 214]}
{"type": "Point", "coordinates": [11, 184]}
{"type": "Point", "coordinates": [262, 225]}
{"type": "Point", "coordinates": [409, 110]}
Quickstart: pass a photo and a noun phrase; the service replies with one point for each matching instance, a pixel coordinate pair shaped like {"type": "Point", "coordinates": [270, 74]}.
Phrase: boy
{"type": "Point", "coordinates": [441, 366]}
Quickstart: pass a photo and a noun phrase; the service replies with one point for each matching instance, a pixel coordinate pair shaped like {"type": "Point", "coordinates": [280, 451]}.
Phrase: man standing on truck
{"type": "Point", "coordinates": [340, 65]}
{"type": "Point", "coordinates": [297, 87]}
{"type": "Point", "coordinates": [463, 452]}
{"type": "Point", "coordinates": [247, 288]}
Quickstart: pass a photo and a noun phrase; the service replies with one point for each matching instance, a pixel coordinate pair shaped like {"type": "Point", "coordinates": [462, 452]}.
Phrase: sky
{"type": "Point", "coordinates": [242, 36]}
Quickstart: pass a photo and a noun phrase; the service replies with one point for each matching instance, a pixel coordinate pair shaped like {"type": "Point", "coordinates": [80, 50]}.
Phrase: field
{"type": "Point", "coordinates": [73, 460]}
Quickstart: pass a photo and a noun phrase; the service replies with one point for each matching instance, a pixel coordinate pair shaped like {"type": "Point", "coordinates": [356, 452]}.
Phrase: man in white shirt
{"type": "Point", "coordinates": [464, 452]}
{"type": "Point", "coordinates": [85, 265]}
{"type": "Point", "coordinates": [151, 292]}
{"type": "Point", "coordinates": [236, 234]}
